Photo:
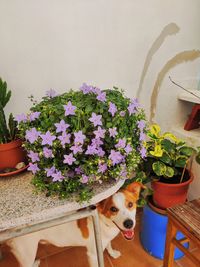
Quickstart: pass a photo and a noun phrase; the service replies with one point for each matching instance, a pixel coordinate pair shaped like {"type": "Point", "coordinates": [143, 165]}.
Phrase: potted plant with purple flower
{"type": "Point", "coordinates": [81, 138]}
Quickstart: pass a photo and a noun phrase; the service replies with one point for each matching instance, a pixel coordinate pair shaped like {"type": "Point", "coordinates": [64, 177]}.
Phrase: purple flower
{"type": "Point", "coordinates": [34, 156]}
{"type": "Point", "coordinates": [141, 125]}
{"type": "Point", "coordinates": [128, 149]}
{"type": "Point", "coordinates": [121, 143]}
{"type": "Point", "coordinates": [112, 108]}
{"type": "Point", "coordinates": [97, 142]}
{"type": "Point", "coordinates": [84, 179]}
{"type": "Point", "coordinates": [101, 96]}
{"type": "Point", "coordinates": [91, 150]}
{"type": "Point", "coordinates": [100, 152]}
{"type": "Point", "coordinates": [50, 171]}
{"type": "Point", "coordinates": [69, 159]}
{"type": "Point", "coordinates": [69, 109]}
{"type": "Point", "coordinates": [61, 126]}
{"type": "Point", "coordinates": [76, 149]}
{"type": "Point", "coordinates": [86, 89]}
{"type": "Point", "coordinates": [47, 152]}
{"type": "Point", "coordinates": [113, 131]}
{"type": "Point", "coordinates": [47, 138]}
{"type": "Point", "coordinates": [135, 102]}
{"type": "Point", "coordinates": [132, 108]}
{"type": "Point", "coordinates": [142, 136]}
{"type": "Point", "coordinates": [78, 170]}
{"type": "Point", "coordinates": [95, 90]}
{"type": "Point", "coordinates": [21, 117]}
{"type": "Point", "coordinates": [57, 177]}
{"type": "Point", "coordinates": [96, 119]}
{"type": "Point", "coordinates": [143, 152]}
{"type": "Point", "coordinates": [99, 133]}
{"type": "Point", "coordinates": [102, 168]}
{"type": "Point", "coordinates": [64, 138]}
{"type": "Point", "coordinates": [34, 115]}
{"type": "Point", "coordinates": [116, 157]}
{"type": "Point", "coordinates": [32, 135]}
{"type": "Point", "coordinates": [51, 93]}
{"type": "Point", "coordinates": [122, 113]}
{"type": "Point", "coordinates": [33, 167]}
{"type": "Point", "coordinates": [79, 137]}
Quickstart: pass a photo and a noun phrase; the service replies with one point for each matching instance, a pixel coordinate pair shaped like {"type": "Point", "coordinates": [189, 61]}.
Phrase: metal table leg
{"type": "Point", "coordinates": [97, 235]}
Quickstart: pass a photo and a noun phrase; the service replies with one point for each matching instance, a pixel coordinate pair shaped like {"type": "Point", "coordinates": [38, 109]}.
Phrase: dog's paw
{"type": "Point", "coordinates": [36, 263]}
{"type": "Point", "coordinates": [115, 254]}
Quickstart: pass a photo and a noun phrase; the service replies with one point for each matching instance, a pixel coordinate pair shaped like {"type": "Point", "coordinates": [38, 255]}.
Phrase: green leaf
{"type": "Point", "coordinates": [159, 168]}
{"type": "Point", "coordinates": [166, 158]}
{"type": "Point", "coordinates": [168, 145]}
{"type": "Point", "coordinates": [169, 172]}
{"type": "Point", "coordinates": [180, 162]}
{"type": "Point", "coordinates": [188, 151]}
{"type": "Point", "coordinates": [109, 124]}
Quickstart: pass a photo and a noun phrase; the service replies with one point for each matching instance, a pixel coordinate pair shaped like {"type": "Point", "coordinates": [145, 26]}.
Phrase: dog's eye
{"type": "Point", "coordinates": [113, 209]}
{"type": "Point", "coordinates": [130, 204]}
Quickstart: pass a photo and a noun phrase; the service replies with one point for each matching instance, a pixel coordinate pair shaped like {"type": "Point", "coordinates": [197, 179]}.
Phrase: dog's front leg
{"type": "Point", "coordinates": [112, 252]}
{"type": "Point", "coordinates": [36, 263]}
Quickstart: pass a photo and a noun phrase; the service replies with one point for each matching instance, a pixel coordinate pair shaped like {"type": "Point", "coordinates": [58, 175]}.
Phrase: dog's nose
{"type": "Point", "coordinates": [128, 224]}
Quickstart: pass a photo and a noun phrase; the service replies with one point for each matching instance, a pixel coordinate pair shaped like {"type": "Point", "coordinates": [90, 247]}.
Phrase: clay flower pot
{"type": "Point", "coordinates": [167, 195]}
{"type": "Point", "coordinates": [11, 153]}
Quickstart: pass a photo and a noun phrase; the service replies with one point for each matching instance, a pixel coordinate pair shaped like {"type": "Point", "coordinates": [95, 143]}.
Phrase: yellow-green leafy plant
{"type": "Point", "coordinates": [167, 156]}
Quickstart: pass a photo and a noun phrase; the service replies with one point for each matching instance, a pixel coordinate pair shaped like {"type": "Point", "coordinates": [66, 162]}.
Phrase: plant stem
{"type": "Point", "coordinates": [184, 88]}
{"type": "Point", "coordinates": [183, 173]}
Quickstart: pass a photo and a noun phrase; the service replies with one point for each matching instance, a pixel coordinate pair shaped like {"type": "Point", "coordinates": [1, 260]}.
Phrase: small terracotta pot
{"type": "Point", "coordinates": [11, 153]}
{"type": "Point", "coordinates": [168, 195]}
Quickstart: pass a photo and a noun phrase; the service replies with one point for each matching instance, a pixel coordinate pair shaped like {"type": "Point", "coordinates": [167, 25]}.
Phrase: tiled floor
{"type": "Point", "coordinates": [133, 255]}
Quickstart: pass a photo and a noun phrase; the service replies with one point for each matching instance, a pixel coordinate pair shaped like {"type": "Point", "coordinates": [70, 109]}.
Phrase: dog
{"type": "Point", "coordinates": [116, 214]}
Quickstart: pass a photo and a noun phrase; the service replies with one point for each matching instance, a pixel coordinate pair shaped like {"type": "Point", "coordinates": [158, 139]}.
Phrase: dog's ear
{"type": "Point", "coordinates": [101, 206]}
{"type": "Point", "coordinates": [135, 188]}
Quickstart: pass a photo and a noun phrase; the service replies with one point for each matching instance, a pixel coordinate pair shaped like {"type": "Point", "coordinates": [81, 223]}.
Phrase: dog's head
{"type": "Point", "coordinates": [121, 208]}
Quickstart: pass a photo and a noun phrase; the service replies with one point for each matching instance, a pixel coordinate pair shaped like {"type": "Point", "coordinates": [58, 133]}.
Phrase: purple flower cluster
{"type": "Point", "coordinates": [87, 89]}
{"type": "Point", "coordinates": [24, 118]}
{"type": "Point", "coordinates": [72, 148]}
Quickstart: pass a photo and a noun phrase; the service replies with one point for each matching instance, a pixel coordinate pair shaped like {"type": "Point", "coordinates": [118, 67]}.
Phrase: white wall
{"type": "Point", "coordinates": [61, 44]}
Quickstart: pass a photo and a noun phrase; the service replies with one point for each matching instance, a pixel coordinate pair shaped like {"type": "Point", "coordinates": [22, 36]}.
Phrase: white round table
{"type": "Point", "coordinates": [22, 211]}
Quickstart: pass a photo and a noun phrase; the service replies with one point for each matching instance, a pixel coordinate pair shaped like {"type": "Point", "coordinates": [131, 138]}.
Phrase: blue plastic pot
{"type": "Point", "coordinates": [153, 234]}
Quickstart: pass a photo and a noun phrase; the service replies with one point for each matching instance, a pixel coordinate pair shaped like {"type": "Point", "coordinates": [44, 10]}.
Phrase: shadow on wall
{"type": "Point", "coordinates": [168, 30]}
{"type": "Point", "coordinates": [177, 59]}
{"type": "Point", "coordinates": [184, 56]}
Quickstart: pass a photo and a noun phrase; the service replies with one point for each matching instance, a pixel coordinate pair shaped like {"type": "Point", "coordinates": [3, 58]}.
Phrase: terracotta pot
{"type": "Point", "coordinates": [11, 153]}
{"type": "Point", "coordinates": [168, 195]}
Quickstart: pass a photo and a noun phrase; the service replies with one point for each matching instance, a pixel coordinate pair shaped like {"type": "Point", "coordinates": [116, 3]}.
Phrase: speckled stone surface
{"type": "Point", "coordinates": [20, 205]}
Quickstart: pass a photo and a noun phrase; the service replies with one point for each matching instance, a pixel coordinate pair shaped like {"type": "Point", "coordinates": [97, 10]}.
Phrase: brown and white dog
{"type": "Point", "coordinates": [116, 213]}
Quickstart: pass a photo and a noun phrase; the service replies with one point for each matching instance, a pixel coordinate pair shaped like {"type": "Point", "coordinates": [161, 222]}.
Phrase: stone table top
{"type": "Point", "coordinates": [21, 206]}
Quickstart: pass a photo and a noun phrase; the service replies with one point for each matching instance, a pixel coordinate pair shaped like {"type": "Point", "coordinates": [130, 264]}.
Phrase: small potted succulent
{"type": "Point", "coordinates": [12, 155]}
{"type": "Point", "coordinates": [166, 165]}
{"type": "Point", "coordinates": [82, 137]}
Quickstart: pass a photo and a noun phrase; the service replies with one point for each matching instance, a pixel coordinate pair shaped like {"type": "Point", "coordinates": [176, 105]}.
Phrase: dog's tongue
{"type": "Point", "coordinates": [128, 234]}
